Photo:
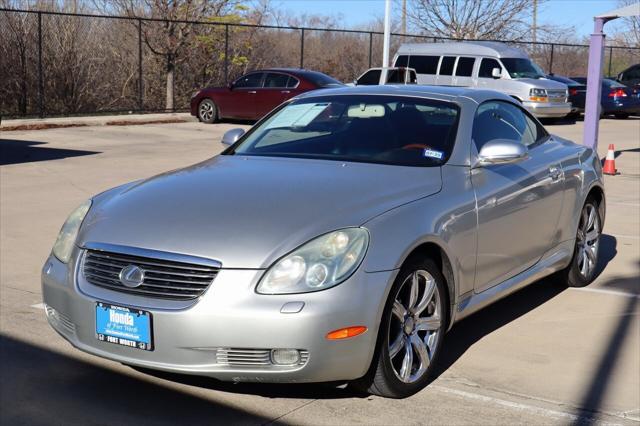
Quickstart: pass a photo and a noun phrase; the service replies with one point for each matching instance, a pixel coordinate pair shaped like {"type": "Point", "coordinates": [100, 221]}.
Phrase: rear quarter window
{"type": "Point", "coordinates": [424, 64]}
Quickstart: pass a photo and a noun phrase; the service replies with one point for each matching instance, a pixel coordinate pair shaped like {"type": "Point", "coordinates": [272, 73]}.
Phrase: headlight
{"type": "Point", "coordinates": [538, 95]}
{"type": "Point", "coordinates": [67, 237]}
{"type": "Point", "coordinates": [321, 263]}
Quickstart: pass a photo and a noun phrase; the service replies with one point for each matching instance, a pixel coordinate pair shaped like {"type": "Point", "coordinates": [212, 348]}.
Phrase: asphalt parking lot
{"type": "Point", "coordinates": [544, 355]}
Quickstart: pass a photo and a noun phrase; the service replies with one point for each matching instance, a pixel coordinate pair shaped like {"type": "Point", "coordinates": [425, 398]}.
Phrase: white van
{"type": "Point", "coordinates": [486, 65]}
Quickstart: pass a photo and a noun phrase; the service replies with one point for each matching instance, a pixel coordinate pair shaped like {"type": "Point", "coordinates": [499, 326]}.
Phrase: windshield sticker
{"type": "Point", "coordinates": [297, 115]}
{"type": "Point", "coordinates": [430, 153]}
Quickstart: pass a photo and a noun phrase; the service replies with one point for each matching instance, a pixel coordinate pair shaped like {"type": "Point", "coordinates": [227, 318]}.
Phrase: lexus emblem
{"type": "Point", "coordinates": [132, 276]}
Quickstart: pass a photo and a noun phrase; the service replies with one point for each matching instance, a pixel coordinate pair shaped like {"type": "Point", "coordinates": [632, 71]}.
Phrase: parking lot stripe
{"type": "Point", "coordinates": [632, 237]}
{"type": "Point", "coordinates": [518, 406]}
{"type": "Point", "coordinates": [38, 306]}
{"type": "Point", "coordinates": [607, 291]}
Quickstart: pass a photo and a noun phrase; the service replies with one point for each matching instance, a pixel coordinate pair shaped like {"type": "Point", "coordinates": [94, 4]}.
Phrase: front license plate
{"type": "Point", "coordinates": [124, 326]}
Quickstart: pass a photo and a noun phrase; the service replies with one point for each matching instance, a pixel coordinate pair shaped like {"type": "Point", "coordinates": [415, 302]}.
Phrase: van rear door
{"type": "Point", "coordinates": [463, 75]}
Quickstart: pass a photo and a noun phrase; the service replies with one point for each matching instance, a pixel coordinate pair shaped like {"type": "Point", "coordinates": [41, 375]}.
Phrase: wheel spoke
{"type": "Point", "coordinates": [430, 288]}
{"type": "Point", "coordinates": [592, 236]}
{"type": "Point", "coordinates": [585, 220]}
{"type": "Point", "coordinates": [413, 291]}
{"type": "Point", "coordinates": [396, 345]}
{"type": "Point", "coordinates": [585, 262]}
{"type": "Point", "coordinates": [407, 362]}
{"type": "Point", "coordinates": [592, 219]}
{"type": "Point", "coordinates": [398, 310]}
{"type": "Point", "coordinates": [421, 350]}
{"type": "Point", "coordinates": [431, 323]}
{"type": "Point", "coordinates": [590, 254]}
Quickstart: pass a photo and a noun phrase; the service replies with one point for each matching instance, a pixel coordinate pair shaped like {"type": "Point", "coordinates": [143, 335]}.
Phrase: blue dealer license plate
{"type": "Point", "coordinates": [124, 326]}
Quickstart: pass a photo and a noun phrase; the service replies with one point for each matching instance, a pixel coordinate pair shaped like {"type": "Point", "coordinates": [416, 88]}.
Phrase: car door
{"type": "Point", "coordinates": [485, 78]}
{"type": "Point", "coordinates": [519, 204]}
{"type": "Point", "coordinates": [240, 103]}
{"type": "Point", "coordinates": [445, 71]}
{"type": "Point", "coordinates": [464, 71]}
{"type": "Point", "coordinates": [272, 93]}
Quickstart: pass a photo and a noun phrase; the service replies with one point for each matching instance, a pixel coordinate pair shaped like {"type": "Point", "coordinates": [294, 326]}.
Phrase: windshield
{"type": "Point", "coordinates": [363, 128]}
{"type": "Point", "coordinates": [321, 80]}
{"type": "Point", "coordinates": [522, 68]}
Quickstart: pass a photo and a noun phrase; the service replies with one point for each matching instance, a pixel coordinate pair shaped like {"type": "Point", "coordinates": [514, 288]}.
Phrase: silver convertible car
{"type": "Point", "coordinates": [337, 240]}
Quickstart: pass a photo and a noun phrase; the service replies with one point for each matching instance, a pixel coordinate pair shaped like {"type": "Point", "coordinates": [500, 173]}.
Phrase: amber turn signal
{"type": "Point", "coordinates": [345, 333]}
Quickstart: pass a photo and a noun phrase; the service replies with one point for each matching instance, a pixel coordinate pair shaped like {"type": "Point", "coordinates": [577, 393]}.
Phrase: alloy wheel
{"type": "Point", "coordinates": [415, 326]}
{"type": "Point", "coordinates": [588, 240]}
{"type": "Point", "coordinates": [206, 111]}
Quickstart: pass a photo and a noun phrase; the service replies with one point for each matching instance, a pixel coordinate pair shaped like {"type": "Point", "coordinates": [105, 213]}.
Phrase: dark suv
{"type": "Point", "coordinates": [630, 77]}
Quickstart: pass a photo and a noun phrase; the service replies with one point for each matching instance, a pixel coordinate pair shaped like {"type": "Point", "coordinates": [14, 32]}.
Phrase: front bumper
{"type": "Point", "coordinates": [547, 109]}
{"type": "Point", "coordinates": [230, 315]}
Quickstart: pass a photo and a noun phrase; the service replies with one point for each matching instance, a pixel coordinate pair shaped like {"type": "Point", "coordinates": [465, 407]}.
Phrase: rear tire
{"type": "Point", "coordinates": [411, 332]}
{"type": "Point", "coordinates": [582, 269]}
{"type": "Point", "coordinates": [621, 115]}
{"type": "Point", "coordinates": [207, 111]}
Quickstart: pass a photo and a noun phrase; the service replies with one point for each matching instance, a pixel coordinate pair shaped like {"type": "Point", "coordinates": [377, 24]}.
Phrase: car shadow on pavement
{"type": "Point", "coordinates": [39, 386]}
{"type": "Point", "coordinates": [593, 396]}
{"type": "Point", "coordinates": [14, 151]}
{"type": "Point", "coordinates": [332, 390]}
{"type": "Point", "coordinates": [467, 332]}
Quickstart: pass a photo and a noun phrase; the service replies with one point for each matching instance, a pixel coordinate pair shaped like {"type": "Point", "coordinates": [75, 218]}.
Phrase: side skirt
{"type": "Point", "coordinates": [554, 260]}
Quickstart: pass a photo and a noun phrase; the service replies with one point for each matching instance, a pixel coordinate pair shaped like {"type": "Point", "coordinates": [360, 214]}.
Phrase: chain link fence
{"type": "Point", "coordinates": [64, 64]}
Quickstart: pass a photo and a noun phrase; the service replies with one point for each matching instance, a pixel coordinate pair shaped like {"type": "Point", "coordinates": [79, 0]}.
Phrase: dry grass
{"type": "Point", "coordinates": [40, 126]}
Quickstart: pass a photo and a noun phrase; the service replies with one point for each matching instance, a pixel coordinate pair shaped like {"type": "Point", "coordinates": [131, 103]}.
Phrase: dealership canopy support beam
{"type": "Point", "coordinates": [594, 73]}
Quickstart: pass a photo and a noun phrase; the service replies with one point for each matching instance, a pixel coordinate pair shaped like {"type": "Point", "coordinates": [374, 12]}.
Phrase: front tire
{"type": "Point", "coordinates": [207, 111]}
{"type": "Point", "coordinates": [621, 115]}
{"type": "Point", "coordinates": [411, 332]}
{"type": "Point", "coordinates": [582, 269]}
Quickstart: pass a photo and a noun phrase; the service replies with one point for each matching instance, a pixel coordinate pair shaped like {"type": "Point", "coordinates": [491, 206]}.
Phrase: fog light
{"type": "Point", "coordinates": [285, 356]}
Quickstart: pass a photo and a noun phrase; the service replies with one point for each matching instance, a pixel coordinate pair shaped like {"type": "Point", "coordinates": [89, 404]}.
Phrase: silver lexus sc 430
{"type": "Point", "coordinates": [337, 240]}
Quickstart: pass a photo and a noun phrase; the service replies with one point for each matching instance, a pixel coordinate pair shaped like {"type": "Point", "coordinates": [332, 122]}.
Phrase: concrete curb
{"type": "Point", "coordinates": [106, 120]}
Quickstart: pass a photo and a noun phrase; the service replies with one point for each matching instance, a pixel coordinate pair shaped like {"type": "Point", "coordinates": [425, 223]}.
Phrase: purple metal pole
{"type": "Point", "coordinates": [594, 85]}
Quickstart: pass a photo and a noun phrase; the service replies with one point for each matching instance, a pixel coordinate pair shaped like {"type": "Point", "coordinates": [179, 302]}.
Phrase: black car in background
{"type": "Point", "coordinates": [616, 98]}
{"type": "Point", "coordinates": [577, 93]}
{"type": "Point", "coordinates": [630, 77]}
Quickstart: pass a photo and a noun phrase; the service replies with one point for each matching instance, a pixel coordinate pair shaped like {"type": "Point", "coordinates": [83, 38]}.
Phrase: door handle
{"type": "Point", "coordinates": [285, 91]}
{"type": "Point", "coordinates": [555, 172]}
{"type": "Point", "coordinates": [253, 92]}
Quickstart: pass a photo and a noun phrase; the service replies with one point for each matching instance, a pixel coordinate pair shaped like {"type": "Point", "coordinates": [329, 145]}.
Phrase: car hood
{"type": "Point", "coordinates": [247, 211]}
{"type": "Point", "coordinates": [543, 83]}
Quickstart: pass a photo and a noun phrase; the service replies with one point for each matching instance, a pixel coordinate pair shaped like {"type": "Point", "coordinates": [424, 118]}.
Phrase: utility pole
{"type": "Point", "coordinates": [404, 16]}
{"type": "Point", "coordinates": [387, 33]}
{"type": "Point", "coordinates": [535, 20]}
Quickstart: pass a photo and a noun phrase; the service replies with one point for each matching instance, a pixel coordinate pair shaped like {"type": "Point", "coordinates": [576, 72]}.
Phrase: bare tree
{"type": "Point", "coordinates": [630, 34]}
{"type": "Point", "coordinates": [472, 19]}
{"type": "Point", "coordinates": [169, 39]}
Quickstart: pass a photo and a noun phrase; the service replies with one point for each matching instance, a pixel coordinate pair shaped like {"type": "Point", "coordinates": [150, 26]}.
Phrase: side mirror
{"type": "Point", "coordinates": [230, 86]}
{"type": "Point", "coordinates": [496, 73]}
{"type": "Point", "coordinates": [231, 136]}
{"type": "Point", "coordinates": [355, 82]}
{"type": "Point", "coordinates": [502, 151]}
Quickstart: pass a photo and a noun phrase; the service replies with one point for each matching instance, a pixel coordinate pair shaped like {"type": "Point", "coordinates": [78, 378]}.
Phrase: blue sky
{"type": "Point", "coordinates": [576, 13]}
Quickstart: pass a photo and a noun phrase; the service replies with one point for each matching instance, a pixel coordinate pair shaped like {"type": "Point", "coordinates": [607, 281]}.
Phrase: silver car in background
{"type": "Point", "coordinates": [337, 240]}
{"type": "Point", "coordinates": [487, 65]}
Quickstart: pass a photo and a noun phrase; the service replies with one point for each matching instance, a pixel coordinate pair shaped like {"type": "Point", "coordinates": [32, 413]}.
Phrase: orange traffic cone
{"type": "Point", "coordinates": [610, 162]}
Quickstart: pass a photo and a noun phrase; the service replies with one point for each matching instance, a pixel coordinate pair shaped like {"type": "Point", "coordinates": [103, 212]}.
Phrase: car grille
{"type": "Point", "coordinates": [162, 278]}
{"type": "Point", "coordinates": [236, 357]}
{"type": "Point", "coordinates": [557, 95]}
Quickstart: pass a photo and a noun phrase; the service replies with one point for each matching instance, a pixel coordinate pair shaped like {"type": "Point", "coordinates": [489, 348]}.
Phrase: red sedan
{"type": "Point", "coordinates": [256, 93]}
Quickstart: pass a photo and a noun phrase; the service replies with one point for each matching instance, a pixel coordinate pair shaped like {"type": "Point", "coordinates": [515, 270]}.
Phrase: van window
{"type": "Point", "coordinates": [465, 67]}
{"type": "Point", "coordinates": [424, 64]}
{"type": "Point", "coordinates": [401, 61]}
{"type": "Point", "coordinates": [446, 66]}
{"type": "Point", "coordinates": [486, 66]}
